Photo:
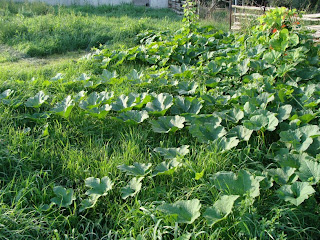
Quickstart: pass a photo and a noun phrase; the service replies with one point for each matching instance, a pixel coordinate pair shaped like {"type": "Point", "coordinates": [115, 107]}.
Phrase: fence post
{"type": "Point", "coordinates": [230, 14]}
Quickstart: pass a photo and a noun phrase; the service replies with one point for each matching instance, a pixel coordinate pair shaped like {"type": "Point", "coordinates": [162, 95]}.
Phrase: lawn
{"type": "Point", "coordinates": [168, 130]}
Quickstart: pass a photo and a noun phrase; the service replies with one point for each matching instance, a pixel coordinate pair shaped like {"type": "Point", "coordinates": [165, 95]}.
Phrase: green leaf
{"type": "Point", "coordinates": [124, 103]}
{"type": "Point", "coordinates": [133, 188]}
{"type": "Point", "coordinates": [272, 122]}
{"type": "Point", "coordinates": [187, 88]}
{"type": "Point", "coordinates": [110, 77]}
{"type": "Point", "coordinates": [296, 193]}
{"type": "Point", "coordinates": [173, 153]}
{"type": "Point", "coordinates": [64, 197]}
{"type": "Point", "coordinates": [160, 104]}
{"type": "Point", "coordinates": [243, 67]}
{"type": "Point", "coordinates": [215, 100]}
{"type": "Point", "coordinates": [37, 100]}
{"type": "Point", "coordinates": [213, 68]}
{"type": "Point", "coordinates": [249, 108]}
{"type": "Point", "coordinates": [282, 175]}
{"type": "Point", "coordinates": [168, 124]}
{"type": "Point", "coordinates": [256, 122]}
{"type": "Point", "coordinates": [186, 106]}
{"type": "Point", "coordinates": [57, 77]}
{"type": "Point", "coordinates": [224, 144]}
{"type": "Point", "coordinates": [284, 112]}
{"type": "Point", "coordinates": [88, 203]}
{"type": "Point", "coordinates": [98, 187]}
{"type": "Point", "coordinates": [271, 57]}
{"type": "Point", "coordinates": [83, 77]}
{"type": "Point", "coordinates": [135, 77]}
{"type": "Point", "coordinates": [199, 175]}
{"type": "Point", "coordinates": [201, 119]}
{"type": "Point", "coordinates": [240, 132]}
{"type": "Point", "coordinates": [178, 70]}
{"type": "Point", "coordinates": [309, 171]}
{"type": "Point", "coordinates": [137, 169]}
{"type": "Point", "coordinates": [207, 132]}
{"type": "Point", "coordinates": [166, 168]}
{"type": "Point", "coordinates": [64, 108]}
{"type": "Point", "coordinates": [213, 82]}
{"type": "Point", "coordinates": [95, 100]}
{"type": "Point", "coordinates": [186, 211]}
{"type": "Point", "coordinates": [286, 159]}
{"type": "Point", "coordinates": [300, 139]}
{"type": "Point", "coordinates": [5, 94]}
{"type": "Point", "coordinates": [141, 100]}
{"type": "Point", "coordinates": [232, 184]}
{"type": "Point", "coordinates": [220, 209]}
{"type": "Point", "coordinates": [133, 117]}
{"type": "Point", "coordinates": [80, 96]}
{"type": "Point", "coordinates": [100, 112]}
{"type": "Point", "coordinates": [234, 115]}
{"type": "Point", "coordinates": [185, 236]}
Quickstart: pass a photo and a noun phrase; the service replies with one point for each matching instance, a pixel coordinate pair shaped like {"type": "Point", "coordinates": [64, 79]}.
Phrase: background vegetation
{"type": "Point", "coordinates": [39, 153]}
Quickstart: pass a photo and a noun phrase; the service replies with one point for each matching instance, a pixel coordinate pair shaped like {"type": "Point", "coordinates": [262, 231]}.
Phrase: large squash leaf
{"type": "Point", "coordinates": [207, 132]}
{"type": "Point", "coordinates": [160, 104]}
{"type": "Point", "coordinates": [64, 107]}
{"type": "Point", "coordinates": [241, 184]}
{"type": "Point", "coordinates": [168, 124]}
{"type": "Point", "coordinates": [186, 211]}
{"type": "Point", "coordinates": [166, 168]}
{"type": "Point", "coordinates": [133, 117]}
{"type": "Point", "coordinates": [98, 187]}
{"type": "Point", "coordinates": [133, 188]}
{"type": "Point", "coordinates": [37, 100]}
{"type": "Point", "coordinates": [220, 209]}
{"type": "Point", "coordinates": [137, 169]}
{"type": "Point", "coordinates": [64, 197]}
{"type": "Point", "coordinates": [124, 103]}
{"type": "Point", "coordinates": [309, 171]}
{"type": "Point", "coordinates": [186, 106]}
{"type": "Point", "coordinates": [173, 153]}
{"type": "Point", "coordinates": [296, 193]}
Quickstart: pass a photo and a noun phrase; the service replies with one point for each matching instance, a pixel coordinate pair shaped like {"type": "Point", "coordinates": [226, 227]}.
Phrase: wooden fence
{"type": "Point", "coordinates": [176, 5]}
{"type": "Point", "coordinates": [238, 14]}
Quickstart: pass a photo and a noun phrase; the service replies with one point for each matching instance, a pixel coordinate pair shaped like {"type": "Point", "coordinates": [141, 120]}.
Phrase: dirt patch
{"type": "Point", "coordinates": [9, 54]}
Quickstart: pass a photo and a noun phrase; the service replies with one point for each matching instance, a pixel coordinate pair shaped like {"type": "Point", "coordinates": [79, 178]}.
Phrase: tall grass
{"type": "Point", "coordinates": [39, 30]}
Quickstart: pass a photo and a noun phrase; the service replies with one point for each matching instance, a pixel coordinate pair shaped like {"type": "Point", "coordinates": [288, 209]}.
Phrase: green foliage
{"type": "Point", "coordinates": [296, 193]}
{"type": "Point", "coordinates": [98, 187]}
{"type": "Point", "coordinates": [166, 168]}
{"type": "Point", "coordinates": [173, 153]}
{"type": "Point", "coordinates": [207, 132]}
{"type": "Point", "coordinates": [133, 117]}
{"type": "Point", "coordinates": [132, 189]}
{"type": "Point", "coordinates": [257, 138]}
{"type": "Point", "coordinates": [167, 124]}
{"type": "Point", "coordinates": [63, 108]}
{"type": "Point", "coordinates": [64, 197]}
{"type": "Point", "coordinates": [309, 171]}
{"type": "Point", "coordinates": [241, 184]}
{"type": "Point", "coordinates": [220, 209]}
{"type": "Point", "coordinates": [185, 211]}
{"type": "Point", "coordinates": [160, 104]}
{"type": "Point", "coordinates": [137, 169]}
{"type": "Point", "coordinates": [186, 106]}
{"type": "Point", "coordinates": [37, 100]}
{"type": "Point", "coordinates": [61, 29]}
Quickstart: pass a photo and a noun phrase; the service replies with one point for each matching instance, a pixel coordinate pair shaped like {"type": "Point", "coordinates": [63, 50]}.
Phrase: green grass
{"type": "Point", "coordinates": [40, 30]}
{"type": "Point", "coordinates": [82, 146]}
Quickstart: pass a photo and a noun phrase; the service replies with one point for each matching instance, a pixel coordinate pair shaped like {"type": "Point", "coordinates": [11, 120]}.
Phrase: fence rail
{"type": "Point", "coordinates": [176, 5]}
